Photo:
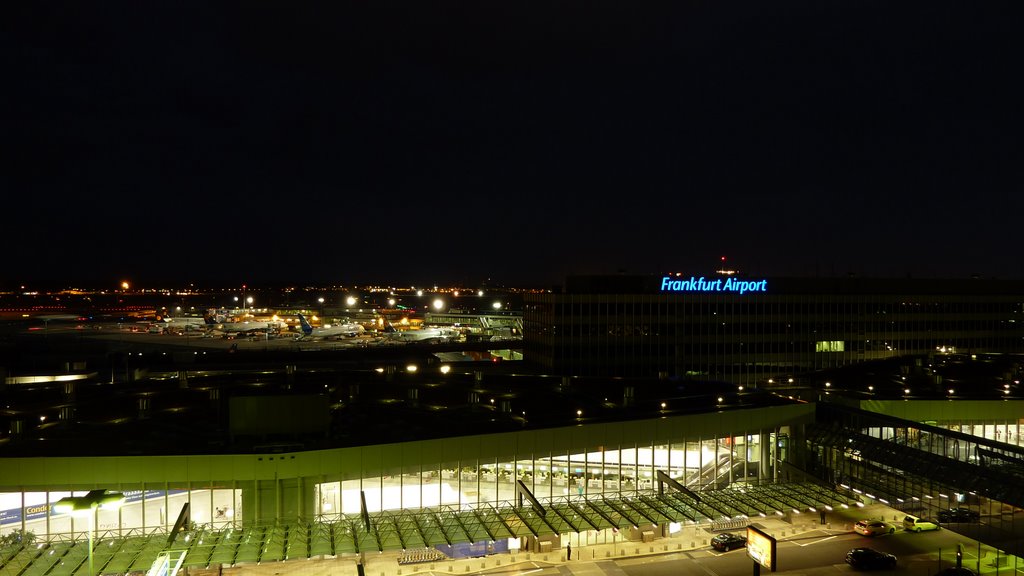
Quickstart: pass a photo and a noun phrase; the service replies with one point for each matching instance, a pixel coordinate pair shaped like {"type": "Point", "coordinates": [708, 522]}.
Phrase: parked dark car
{"type": "Point", "coordinates": [870, 559]}
{"type": "Point", "coordinates": [728, 541]}
{"type": "Point", "coordinates": [959, 515]}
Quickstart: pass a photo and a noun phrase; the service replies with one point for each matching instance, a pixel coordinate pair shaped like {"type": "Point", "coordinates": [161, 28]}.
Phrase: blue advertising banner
{"type": "Point", "coordinates": [37, 511]}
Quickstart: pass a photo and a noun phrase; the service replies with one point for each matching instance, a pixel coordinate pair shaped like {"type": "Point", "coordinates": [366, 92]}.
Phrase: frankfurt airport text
{"type": "Point", "coordinates": [702, 285]}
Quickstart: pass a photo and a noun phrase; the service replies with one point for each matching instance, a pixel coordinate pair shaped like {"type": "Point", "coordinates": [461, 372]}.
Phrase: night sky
{"type": "Point", "coordinates": [507, 143]}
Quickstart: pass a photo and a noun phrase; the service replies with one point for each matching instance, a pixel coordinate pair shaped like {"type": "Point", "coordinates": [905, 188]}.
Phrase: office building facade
{"type": "Point", "coordinates": [750, 330]}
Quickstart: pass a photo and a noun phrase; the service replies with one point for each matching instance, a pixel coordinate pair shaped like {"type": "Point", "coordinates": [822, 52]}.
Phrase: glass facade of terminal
{"type": "Point", "coordinates": [794, 327]}
{"type": "Point", "coordinates": [698, 463]}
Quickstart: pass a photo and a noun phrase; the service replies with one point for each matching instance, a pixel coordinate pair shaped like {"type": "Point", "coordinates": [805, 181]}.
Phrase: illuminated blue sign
{"type": "Point", "coordinates": [693, 284]}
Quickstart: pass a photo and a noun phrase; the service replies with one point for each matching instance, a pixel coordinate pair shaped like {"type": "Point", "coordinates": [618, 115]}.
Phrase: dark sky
{"type": "Point", "coordinates": [509, 142]}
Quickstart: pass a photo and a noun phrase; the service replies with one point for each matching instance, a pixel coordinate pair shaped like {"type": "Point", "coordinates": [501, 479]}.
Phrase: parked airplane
{"type": "Point", "coordinates": [343, 330]}
{"type": "Point", "coordinates": [421, 335]}
{"type": "Point", "coordinates": [216, 323]}
{"type": "Point", "coordinates": [183, 322]}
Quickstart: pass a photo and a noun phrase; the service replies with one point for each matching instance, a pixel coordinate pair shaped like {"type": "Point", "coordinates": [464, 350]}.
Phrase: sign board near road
{"type": "Point", "coordinates": [761, 548]}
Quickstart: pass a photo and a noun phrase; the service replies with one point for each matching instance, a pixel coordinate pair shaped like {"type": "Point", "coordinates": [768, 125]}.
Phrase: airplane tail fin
{"type": "Point", "coordinates": [389, 329]}
{"type": "Point", "coordinates": [307, 329]}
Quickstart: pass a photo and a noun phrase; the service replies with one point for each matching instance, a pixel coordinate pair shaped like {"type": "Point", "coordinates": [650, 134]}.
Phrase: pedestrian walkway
{"type": "Point", "coordinates": [689, 538]}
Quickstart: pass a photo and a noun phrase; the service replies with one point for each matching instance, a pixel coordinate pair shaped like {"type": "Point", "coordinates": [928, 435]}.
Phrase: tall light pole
{"type": "Point", "coordinates": [90, 504]}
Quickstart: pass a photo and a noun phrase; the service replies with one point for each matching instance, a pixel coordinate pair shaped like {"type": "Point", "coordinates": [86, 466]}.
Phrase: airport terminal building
{"type": "Point", "coordinates": [749, 330]}
{"type": "Point", "coordinates": [420, 454]}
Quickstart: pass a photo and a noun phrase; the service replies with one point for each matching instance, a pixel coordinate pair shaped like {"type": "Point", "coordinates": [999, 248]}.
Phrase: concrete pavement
{"type": "Point", "coordinates": [584, 557]}
{"type": "Point", "coordinates": [390, 563]}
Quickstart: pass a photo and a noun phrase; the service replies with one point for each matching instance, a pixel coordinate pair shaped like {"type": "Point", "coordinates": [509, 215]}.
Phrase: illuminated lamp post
{"type": "Point", "coordinates": [321, 301]}
{"type": "Point", "coordinates": [88, 505]}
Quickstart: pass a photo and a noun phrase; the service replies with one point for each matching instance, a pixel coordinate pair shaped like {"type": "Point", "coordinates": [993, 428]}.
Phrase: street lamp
{"type": "Point", "coordinates": [89, 504]}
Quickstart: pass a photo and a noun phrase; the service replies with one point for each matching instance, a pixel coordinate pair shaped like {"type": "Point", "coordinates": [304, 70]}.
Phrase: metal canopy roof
{"type": "Point", "coordinates": [411, 529]}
